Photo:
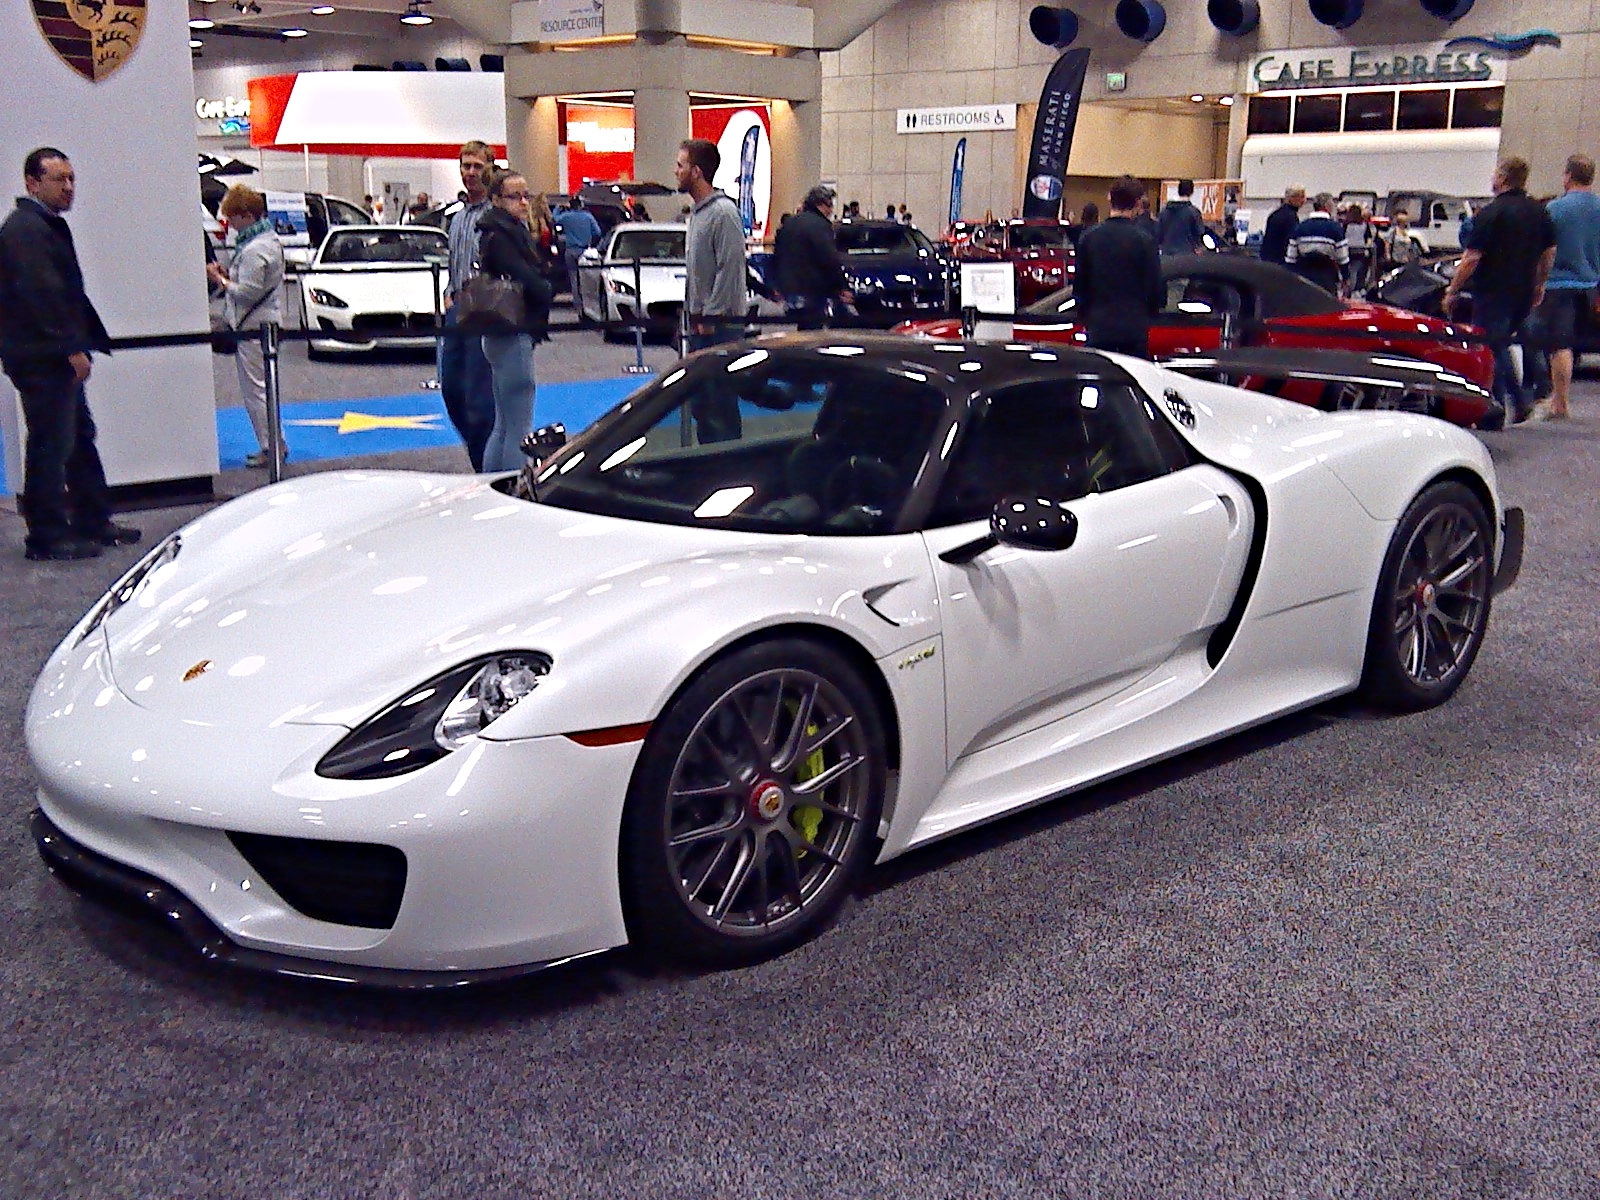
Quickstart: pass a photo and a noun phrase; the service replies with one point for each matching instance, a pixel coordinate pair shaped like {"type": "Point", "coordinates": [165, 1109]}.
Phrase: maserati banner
{"type": "Point", "coordinates": [93, 37]}
{"type": "Point", "coordinates": [1052, 134]}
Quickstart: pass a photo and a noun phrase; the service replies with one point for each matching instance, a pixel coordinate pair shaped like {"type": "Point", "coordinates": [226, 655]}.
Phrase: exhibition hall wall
{"type": "Point", "coordinates": [136, 222]}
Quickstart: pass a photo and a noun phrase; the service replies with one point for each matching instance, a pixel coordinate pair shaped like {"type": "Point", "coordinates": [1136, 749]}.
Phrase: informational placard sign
{"type": "Point", "coordinates": [989, 287]}
{"type": "Point", "coordinates": [571, 20]}
{"type": "Point", "coordinates": [970, 118]}
{"type": "Point", "coordinates": [287, 212]}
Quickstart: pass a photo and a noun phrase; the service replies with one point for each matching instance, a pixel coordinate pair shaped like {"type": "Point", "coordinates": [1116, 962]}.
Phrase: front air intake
{"type": "Point", "coordinates": [344, 883]}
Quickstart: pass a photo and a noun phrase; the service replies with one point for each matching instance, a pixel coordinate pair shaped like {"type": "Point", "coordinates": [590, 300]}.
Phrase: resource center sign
{"type": "Point", "coordinates": [570, 20]}
{"type": "Point", "coordinates": [971, 118]}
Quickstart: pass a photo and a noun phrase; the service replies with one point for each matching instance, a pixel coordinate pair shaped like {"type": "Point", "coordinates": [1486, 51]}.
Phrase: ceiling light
{"type": "Point", "coordinates": [195, 43]}
{"type": "Point", "coordinates": [414, 14]}
{"type": "Point", "coordinates": [201, 23]}
{"type": "Point", "coordinates": [1197, 98]}
{"type": "Point", "coordinates": [295, 33]}
{"type": "Point", "coordinates": [323, 10]}
{"type": "Point", "coordinates": [1226, 101]}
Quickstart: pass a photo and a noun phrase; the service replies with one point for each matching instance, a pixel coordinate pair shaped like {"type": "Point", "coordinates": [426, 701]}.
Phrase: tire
{"type": "Point", "coordinates": [754, 807]}
{"type": "Point", "coordinates": [1432, 601]}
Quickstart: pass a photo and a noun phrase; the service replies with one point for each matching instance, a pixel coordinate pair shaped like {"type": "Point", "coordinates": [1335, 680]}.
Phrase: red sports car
{"type": "Point", "coordinates": [1214, 300]}
{"type": "Point", "coordinates": [1039, 248]}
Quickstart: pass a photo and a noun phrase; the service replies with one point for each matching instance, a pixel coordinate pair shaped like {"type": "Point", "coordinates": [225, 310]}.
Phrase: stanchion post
{"type": "Point", "coordinates": [685, 423]}
{"type": "Point", "coordinates": [438, 306]}
{"type": "Point", "coordinates": [638, 367]}
{"type": "Point", "coordinates": [269, 363]}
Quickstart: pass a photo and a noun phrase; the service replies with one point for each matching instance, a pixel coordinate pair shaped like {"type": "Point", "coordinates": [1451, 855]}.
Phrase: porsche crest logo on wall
{"type": "Point", "coordinates": [93, 37]}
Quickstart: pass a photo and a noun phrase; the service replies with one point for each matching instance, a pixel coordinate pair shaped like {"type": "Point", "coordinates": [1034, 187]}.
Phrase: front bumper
{"type": "Point", "coordinates": [104, 879]}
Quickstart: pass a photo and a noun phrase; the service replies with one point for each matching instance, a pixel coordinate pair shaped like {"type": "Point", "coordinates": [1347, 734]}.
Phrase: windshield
{"type": "Point", "coordinates": [407, 245]}
{"type": "Point", "coordinates": [648, 243]}
{"type": "Point", "coordinates": [1057, 304]}
{"type": "Point", "coordinates": [808, 442]}
{"type": "Point", "coordinates": [856, 239]}
{"type": "Point", "coordinates": [1039, 237]}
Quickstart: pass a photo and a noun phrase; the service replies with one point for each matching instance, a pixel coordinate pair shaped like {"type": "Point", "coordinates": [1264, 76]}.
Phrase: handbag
{"type": "Point", "coordinates": [225, 337]}
{"type": "Point", "coordinates": [491, 304]}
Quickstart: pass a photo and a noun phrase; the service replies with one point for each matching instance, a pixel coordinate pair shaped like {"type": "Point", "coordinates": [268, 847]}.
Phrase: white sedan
{"type": "Point", "coordinates": [615, 290]}
{"type": "Point", "coordinates": [376, 287]}
{"type": "Point", "coordinates": [796, 607]}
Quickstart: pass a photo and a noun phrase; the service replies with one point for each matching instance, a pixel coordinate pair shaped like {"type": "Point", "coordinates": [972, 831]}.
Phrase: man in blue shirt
{"type": "Point", "coordinates": [465, 384]}
{"type": "Point", "coordinates": [1574, 276]}
{"type": "Point", "coordinates": [579, 231]}
{"type": "Point", "coordinates": [1318, 250]}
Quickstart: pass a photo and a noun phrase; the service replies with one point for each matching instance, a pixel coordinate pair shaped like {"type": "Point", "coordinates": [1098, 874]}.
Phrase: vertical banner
{"type": "Point", "coordinates": [747, 178]}
{"type": "Point", "coordinates": [958, 170]}
{"type": "Point", "coordinates": [1052, 135]}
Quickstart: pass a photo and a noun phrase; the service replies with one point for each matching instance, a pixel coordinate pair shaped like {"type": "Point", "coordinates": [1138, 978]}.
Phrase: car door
{"type": "Point", "coordinates": [1031, 637]}
{"type": "Point", "coordinates": [1196, 310]}
{"type": "Point", "coordinates": [591, 279]}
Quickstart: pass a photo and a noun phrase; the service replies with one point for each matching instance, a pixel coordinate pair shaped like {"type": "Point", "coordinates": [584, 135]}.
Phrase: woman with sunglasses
{"type": "Point", "coordinates": [508, 247]}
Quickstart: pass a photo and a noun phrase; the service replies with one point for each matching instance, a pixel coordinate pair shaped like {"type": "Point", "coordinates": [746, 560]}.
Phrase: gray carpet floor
{"type": "Point", "coordinates": [1342, 956]}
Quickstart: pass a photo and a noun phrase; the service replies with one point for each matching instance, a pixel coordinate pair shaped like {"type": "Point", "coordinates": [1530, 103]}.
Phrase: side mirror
{"type": "Point", "coordinates": [1033, 523]}
{"type": "Point", "coordinates": [1026, 522]}
{"type": "Point", "coordinates": [544, 441]}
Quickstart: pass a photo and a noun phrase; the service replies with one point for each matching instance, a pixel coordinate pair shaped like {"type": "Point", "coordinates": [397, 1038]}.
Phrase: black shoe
{"type": "Point", "coordinates": [1494, 420]}
{"type": "Point", "coordinates": [114, 535]}
{"type": "Point", "coordinates": [66, 550]}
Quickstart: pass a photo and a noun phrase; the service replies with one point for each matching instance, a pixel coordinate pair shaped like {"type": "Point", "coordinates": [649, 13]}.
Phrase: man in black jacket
{"type": "Point", "coordinates": [806, 258]}
{"type": "Point", "coordinates": [1281, 225]}
{"type": "Point", "coordinates": [48, 330]}
{"type": "Point", "coordinates": [1118, 280]}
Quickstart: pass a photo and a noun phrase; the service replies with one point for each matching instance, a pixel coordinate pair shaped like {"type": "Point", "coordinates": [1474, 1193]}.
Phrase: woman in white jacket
{"type": "Point", "coordinates": [254, 287]}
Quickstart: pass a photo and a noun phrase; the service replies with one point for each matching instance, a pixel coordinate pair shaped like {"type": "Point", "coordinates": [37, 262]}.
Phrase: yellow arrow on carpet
{"type": "Point", "coordinates": [359, 422]}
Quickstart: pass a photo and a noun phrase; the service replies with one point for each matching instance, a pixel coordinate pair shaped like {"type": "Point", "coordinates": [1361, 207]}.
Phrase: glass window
{"type": "Point", "coordinates": [877, 238]}
{"type": "Point", "coordinates": [1478, 108]}
{"type": "Point", "coordinates": [1060, 439]}
{"type": "Point", "coordinates": [1317, 114]}
{"type": "Point", "coordinates": [649, 243]}
{"type": "Point", "coordinates": [342, 212]}
{"type": "Point", "coordinates": [410, 244]}
{"type": "Point", "coordinates": [1368, 110]}
{"type": "Point", "coordinates": [1039, 237]}
{"type": "Point", "coordinates": [1269, 114]}
{"type": "Point", "coordinates": [1200, 300]}
{"type": "Point", "coordinates": [746, 440]}
{"type": "Point", "coordinates": [1425, 108]}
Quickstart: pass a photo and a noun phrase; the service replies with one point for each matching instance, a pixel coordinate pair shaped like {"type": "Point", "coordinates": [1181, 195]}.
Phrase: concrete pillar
{"type": "Point", "coordinates": [1238, 127]}
{"type": "Point", "coordinates": [796, 153]}
{"type": "Point", "coordinates": [660, 123]}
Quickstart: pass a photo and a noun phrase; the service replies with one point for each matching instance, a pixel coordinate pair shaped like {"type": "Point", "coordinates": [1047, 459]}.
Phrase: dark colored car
{"type": "Point", "coordinates": [893, 270]}
{"type": "Point", "coordinates": [1217, 300]}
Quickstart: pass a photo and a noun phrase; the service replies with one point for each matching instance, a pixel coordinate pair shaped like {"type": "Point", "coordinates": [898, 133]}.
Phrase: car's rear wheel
{"type": "Point", "coordinates": [754, 807]}
{"type": "Point", "coordinates": [1432, 602]}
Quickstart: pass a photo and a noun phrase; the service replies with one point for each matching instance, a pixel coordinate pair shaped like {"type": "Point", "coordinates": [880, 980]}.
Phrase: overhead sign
{"type": "Point", "coordinates": [217, 110]}
{"type": "Point", "coordinates": [1345, 67]}
{"type": "Point", "coordinates": [970, 118]}
{"type": "Point", "coordinates": [571, 20]}
{"type": "Point", "coordinates": [93, 37]}
{"type": "Point", "coordinates": [392, 114]}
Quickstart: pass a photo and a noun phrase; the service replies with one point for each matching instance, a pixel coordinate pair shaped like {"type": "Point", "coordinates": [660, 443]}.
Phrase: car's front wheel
{"type": "Point", "coordinates": [754, 807]}
{"type": "Point", "coordinates": [1432, 602]}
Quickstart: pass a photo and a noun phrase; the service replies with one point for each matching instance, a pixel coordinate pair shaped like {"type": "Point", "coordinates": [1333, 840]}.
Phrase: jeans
{"type": "Point", "coordinates": [64, 485]}
{"type": "Point", "coordinates": [467, 389]}
{"type": "Point", "coordinates": [1500, 320]}
{"type": "Point", "coordinates": [511, 364]}
{"type": "Point", "coordinates": [716, 409]}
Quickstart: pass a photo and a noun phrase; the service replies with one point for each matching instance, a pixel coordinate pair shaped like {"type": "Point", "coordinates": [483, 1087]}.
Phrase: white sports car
{"type": "Point", "coordinates": [797, 606]}
{"type": "Point", "coordinates": [376, 286]}
{"type": "Point", "coordinates": [613, 293]}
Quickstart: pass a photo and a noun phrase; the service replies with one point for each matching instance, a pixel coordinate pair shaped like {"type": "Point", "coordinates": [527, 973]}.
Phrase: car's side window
{"type": "Point", "coordinates": [1060, 439]}
{"type": "Point", "coordinates": [1199, 300]}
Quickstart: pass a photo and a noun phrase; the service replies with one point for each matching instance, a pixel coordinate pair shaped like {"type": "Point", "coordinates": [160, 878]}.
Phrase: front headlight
{"type": "Point", "coordinates": [437, 718]}
{"type": "Point", "coordinates": [128, 586]}
{"type": "Point", "coordinates": [326, 299]}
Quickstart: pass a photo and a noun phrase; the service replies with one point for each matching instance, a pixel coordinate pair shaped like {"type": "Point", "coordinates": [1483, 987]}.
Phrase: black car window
{"type": "Point", "coordinates": [749, 440]}
{"type": "Point", "coordinates": [856, 239]}
{"type": "Point", "coordinates": [1060, 439]}
{"type": "Point", "coordinates": [342, 212]}
{"type": "Point", "coordinates": [1200, 299]}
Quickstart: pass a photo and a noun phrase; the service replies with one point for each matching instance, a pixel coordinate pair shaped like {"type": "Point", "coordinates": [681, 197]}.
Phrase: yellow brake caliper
{"type": "Point", "coordinates": [807, 818]}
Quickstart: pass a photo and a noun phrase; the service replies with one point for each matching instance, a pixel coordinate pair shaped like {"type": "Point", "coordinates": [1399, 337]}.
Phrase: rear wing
{"type": "Point", "coordinates": [1337, 380]}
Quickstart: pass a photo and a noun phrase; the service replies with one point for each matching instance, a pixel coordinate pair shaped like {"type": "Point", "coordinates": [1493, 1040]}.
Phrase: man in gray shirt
{"type": "Point", "coordinates": [465, 383]}
{"type": "Point", "coordinates": [717, 298]}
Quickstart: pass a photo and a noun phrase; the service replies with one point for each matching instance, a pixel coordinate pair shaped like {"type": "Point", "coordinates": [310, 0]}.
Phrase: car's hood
{"type": "Point", "coordinates": [318, 600]}
{"type": "Point", "coordinates": [366, 291]}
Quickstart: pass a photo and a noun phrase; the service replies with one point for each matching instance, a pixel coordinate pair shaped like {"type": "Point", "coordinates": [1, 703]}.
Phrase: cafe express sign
{"type": "Point", "coordinates": [1347, 67]}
